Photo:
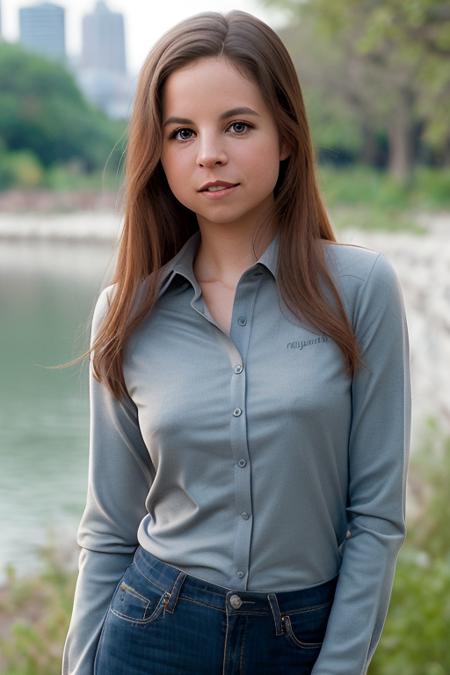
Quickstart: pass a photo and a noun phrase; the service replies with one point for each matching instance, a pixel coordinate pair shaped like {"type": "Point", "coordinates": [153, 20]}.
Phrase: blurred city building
{"type": "Point", "coordinates": [103, 40]}
{"type": "Point", "coordinates": [102, 70]}
{"type": "Point", "coordinates": [42, 29]}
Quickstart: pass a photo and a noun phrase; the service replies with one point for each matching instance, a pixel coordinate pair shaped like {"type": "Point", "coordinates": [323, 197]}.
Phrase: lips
{"type": "Point", "coordinates": [217, 184]}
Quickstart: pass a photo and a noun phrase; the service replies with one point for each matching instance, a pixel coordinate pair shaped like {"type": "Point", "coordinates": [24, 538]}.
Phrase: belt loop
{"type": "Point", "coordinates": [273, 601]}
{"type": "Point", "coordinates": [174, 592]}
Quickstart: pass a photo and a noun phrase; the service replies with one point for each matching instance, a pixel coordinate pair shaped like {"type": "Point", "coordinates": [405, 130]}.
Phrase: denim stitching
{"type": "Point", "coordinates": [304, 645]}
{"type": "Point", "coordinates": [225, 647]}
{"type": "Point", "coordinates": [309, 609]}
{"type": "Point", "coordinates": [133, 591]}
{"type": "Point", "coordinates": [245, 633]}
{"type": "Point", "coordinates": [200, 602]}
{"type": "Point", "coordinates": [155, 614]}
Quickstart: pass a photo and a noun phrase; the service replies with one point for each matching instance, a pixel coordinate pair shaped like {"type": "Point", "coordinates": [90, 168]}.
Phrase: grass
{"type": "Point", "coordinates": [366, 199]}
{"type": "Point", "coordinates": [35, 613]}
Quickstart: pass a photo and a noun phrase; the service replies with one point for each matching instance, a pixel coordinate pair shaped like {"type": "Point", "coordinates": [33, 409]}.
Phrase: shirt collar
{"type": "Point", "coordinates": [182, 262]}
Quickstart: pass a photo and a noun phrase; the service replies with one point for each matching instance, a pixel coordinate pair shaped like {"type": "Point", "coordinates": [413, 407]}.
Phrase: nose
{"type": "Point", "coordinates": [211, 152]}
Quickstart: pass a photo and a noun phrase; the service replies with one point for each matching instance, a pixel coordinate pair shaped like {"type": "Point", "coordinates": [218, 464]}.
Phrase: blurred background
{"type": "Point", "coordinates": [376, 83]}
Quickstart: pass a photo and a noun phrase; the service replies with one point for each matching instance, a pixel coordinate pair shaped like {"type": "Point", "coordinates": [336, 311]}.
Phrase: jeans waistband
{"type": "Point", "coordinates": [169, 578]}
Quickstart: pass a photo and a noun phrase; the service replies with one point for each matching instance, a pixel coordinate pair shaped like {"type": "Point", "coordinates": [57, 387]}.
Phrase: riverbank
{"type": "Point", "coordinates": [84, 226]}
{"type": "Point", "coordinates": [53, 201]}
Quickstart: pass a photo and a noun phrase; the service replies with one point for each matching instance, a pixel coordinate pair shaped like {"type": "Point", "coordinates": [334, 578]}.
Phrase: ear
{"type": "Point", "coordinates": [284, 152]}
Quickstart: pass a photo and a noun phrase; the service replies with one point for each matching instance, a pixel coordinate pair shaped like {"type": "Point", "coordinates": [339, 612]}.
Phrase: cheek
{"type": "Point", "coordinates": [177, 174]}
{"type": "Point", "coordinates": [166, 162]}
{"type": "Point", "coordinates": [173, 163]}
{"type": "Point", "coordinates": [265, 172]}
{"type": "Point", "coordinates": [263, 160]}
{"type": "Point", "coordinates": [172, 170]}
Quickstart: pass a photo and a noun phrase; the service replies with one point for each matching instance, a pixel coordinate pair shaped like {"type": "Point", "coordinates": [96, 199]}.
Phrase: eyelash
{"type": "Point", "coordinates": [176, 131]}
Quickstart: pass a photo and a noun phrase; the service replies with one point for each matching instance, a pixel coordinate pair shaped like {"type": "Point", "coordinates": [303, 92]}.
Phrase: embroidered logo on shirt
{"type": "Point", "coordinates": [300, 344]}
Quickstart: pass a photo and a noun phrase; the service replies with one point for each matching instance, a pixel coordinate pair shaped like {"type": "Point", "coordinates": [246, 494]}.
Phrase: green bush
{"type": "Point", "coordinates": [36, 613]}
{"type": "Point", "coordinates": [42, 110]}
{"type": "Point", "coordinates": [360, 185]}
{"type": "Point", "coordinates": [20, 169]}
{"type": "Point", "coordinates": [71, 176]}
{"type": "Point", "coordinates": [415, 637]}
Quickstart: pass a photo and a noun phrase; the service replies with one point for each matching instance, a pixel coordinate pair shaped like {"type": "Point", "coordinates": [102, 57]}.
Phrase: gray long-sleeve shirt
{"type": "Point", "coordinates": [252, 460]}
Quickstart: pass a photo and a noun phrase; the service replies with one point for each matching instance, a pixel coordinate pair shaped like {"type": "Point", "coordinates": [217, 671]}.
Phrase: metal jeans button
{"type": "Point", "coordinates": [235, 601]}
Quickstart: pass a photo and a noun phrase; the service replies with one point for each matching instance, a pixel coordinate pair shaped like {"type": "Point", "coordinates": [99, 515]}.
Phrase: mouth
{"type": "Point", "coordinates": [217, 192]}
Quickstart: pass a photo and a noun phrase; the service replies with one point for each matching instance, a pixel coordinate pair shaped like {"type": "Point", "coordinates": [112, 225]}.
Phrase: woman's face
{"type": "Point", "coordinates": [206, 138]}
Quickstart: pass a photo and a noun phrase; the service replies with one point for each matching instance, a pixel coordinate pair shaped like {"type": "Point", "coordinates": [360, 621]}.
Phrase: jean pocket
{"type": "Point", "coordinates": [306, 628]}
{"type": "Point", "coordinates": [136, 600]}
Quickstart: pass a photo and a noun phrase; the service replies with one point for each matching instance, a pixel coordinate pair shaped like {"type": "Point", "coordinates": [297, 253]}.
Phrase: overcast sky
{"type": "Point", "coordinates": [145, 20]}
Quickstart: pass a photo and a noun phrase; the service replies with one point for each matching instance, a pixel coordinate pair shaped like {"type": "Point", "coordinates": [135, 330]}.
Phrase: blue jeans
{"type": "Point", "coordinates": [162, 621]}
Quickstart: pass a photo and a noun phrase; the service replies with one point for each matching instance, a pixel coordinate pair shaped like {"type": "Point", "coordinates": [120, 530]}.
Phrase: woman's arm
{"type": "Point", "coordinates": [119, 479]}
{"type": "Point", "coordinates": [377, 462]}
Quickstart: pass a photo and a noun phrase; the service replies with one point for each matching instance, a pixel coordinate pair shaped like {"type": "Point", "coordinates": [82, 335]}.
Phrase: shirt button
{"type": "Point", "coordinates": [240, 574]}
{"type": "Point", "coordinates": [245, 515]}
{"type": "Point", "coordinates": [242, 321]}
{"type": "Point", "coordinates": [237, 412]}
{"type": "Point", "coordinates": [242, 462]}
{"type": "Point", "coordinates": [238, 369]}
{"type": "Point", "coordinates": [235, 601]}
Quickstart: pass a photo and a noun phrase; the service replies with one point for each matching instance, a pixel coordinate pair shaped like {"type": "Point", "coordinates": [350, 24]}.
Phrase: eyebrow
{"type": "Point", "coordinates": [243, 110]}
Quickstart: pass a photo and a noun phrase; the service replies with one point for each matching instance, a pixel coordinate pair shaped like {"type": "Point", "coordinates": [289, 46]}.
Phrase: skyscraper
{"type": "Point", "coordinates": [42, 29]}
{"type": "Point", "coordinates": [103, 40]}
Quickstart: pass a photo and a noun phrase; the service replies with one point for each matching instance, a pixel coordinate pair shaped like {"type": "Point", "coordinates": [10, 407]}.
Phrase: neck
{"type": "Point", "coordinates": [224, 254]}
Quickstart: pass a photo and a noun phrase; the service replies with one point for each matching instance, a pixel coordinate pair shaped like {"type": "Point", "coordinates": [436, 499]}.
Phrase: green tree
{"type": "Point", "coordinates": [385, 62]}
{"type": "Point", "coordinates": [43, 111]}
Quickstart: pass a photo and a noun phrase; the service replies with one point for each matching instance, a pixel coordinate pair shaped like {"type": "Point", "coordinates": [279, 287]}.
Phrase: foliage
{"type": "Point", "coordinates": [359, 197]}
{"type": "Point", "coordinates": [415, 637]}
{"type": "Point", "coordinates": [427, 189]}
{"type": "Point", "coordinates": [69, 177]}
{"type": "Point", "coordinates": [35, 614]}
{"type": "Point", "coordinates": [43, 112]}
{"type": "Point", "coordinates": [382, 66]}
{"type": "Point", "coordinates": [20, 169]}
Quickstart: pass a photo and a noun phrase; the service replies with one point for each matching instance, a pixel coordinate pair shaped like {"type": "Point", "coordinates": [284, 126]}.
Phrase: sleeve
{"type": "Point", "coordinates": [378, 452]}
{"type": "Point", "coordinates": [119, 478]}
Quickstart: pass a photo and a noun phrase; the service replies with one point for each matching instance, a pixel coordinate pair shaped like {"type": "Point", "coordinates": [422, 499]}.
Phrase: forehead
{"type": "Point", "coordinates": [209, 82]}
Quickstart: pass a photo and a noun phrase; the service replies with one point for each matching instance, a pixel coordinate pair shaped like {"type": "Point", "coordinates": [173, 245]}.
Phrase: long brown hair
{"type": "Point", "coordinates": [156, 225]}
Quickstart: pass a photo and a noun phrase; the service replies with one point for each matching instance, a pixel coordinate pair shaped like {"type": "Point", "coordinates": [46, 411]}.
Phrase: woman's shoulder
{"type": "Point", "coordinates": [103, 301]}
{"type": "Point", "coordinates": [354, 264]}
{"type": "Point", "coordinates": [366, 279]}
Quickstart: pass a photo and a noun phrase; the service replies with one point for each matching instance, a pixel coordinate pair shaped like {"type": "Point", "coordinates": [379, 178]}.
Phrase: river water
{"type": "Point", "coordinates": [47, 291]}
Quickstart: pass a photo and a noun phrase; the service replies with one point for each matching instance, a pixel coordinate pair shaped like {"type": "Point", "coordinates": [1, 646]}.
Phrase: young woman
{"type": "Point", "coordinates": [249, 389]}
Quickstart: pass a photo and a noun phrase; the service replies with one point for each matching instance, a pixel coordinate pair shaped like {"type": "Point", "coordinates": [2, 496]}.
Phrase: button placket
{"type": "Point", "coordinates": [241, 329]}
